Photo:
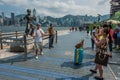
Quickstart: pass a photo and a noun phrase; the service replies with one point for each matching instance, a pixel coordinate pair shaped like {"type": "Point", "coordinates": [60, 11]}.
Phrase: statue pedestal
{"type": "Point", "coordinates": [18, 46]}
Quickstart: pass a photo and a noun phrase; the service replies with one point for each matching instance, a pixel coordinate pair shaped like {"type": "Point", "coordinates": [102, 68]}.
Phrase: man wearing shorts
{"type": "Point", "coordinates": [38, 33]}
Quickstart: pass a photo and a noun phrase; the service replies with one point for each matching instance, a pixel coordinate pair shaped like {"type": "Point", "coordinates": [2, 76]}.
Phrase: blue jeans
{"type": "Point", "coordinates": [92, 42]}
{"type": "Point", "coordinates": [110, 47]}
{"type": "Point", "coordinates": [51, 40]}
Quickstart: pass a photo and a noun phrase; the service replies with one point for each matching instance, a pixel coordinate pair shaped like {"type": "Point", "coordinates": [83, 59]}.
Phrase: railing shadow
{"type": "Point", "coordinates": [89, 56]}
{"type": "Point", "coordinates": [73, 66]}
{"type": "Point", "coordinates": [86, 77]}
{"type": "Point", "coordinates": [87, 48]}
{"type": "Point", "coordinates": [13, 59]}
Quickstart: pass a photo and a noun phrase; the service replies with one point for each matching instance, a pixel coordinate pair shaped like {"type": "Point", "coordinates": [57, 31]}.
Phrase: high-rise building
{"type": "Point", "coordinates": [34, 15]}
{"type": "Point", "coordinates": [34, 12]}
{"type": "Point", "coordinates": [3, 18]}
{"type": "Point", "coordinates": [115, 6]}
{"type": "Point", "coordinates": [12, 18]}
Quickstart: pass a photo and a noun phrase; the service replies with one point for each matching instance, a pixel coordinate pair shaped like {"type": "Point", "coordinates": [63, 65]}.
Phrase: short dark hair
{"type": "Point", "coordinates": [105, 25]}
{"type": "Point", "coordinates": [106, 31]}
{"type": "Point", "coordinates": [51, 24]}
{"type": "Point", "coordinates": [94, 27]}
{"type": "Point", "coordinates": [110, 26]}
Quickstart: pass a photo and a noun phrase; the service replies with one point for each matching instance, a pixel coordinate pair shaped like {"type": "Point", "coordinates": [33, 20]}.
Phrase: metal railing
{"type": "Point", "coordinates": [14, 37]}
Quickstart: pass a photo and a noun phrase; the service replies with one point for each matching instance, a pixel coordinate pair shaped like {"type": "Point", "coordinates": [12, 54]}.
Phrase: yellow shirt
{"type": "Point", "coordinates": [100, 37]}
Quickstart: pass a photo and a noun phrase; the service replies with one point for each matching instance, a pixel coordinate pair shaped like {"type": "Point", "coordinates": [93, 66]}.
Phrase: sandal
{"type": "Point", "coordinates": [110, 55]}
{"type": "Point", "coordinates": [93, 71]}
{"type": "Point", "coordinates": [98, 78]}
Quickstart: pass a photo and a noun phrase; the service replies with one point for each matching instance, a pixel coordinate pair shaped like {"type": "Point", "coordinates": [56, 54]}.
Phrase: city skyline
{"type": "Point", "coordinates": [56, 8]}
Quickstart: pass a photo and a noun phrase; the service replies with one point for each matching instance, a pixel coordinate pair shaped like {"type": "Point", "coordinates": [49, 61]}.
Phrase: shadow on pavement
{"type": "Point", "coordinates": [116, 51]}
{"type": "Point", "coordinates": [19, 58]}
{"type": "Point", "coordinates": [89, 56]}
{"type": "Point", "coordinates": [87, 48]}
{"type": "Point", "coordinates": [46, 46]}
{"type": "Point", "coordinates": [86, 77]}
{"type": "Point", "coordinates": [72, 65]}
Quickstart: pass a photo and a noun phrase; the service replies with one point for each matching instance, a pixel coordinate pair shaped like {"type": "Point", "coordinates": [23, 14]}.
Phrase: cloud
{"type": "Point", "coordinates": [58, 8]}
{"type": "Point", "coordinates": [1, 2]}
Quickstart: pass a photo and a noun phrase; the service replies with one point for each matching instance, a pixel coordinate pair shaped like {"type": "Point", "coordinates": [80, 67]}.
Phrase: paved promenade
{"type": "Point", "coordinates": [55, 64]}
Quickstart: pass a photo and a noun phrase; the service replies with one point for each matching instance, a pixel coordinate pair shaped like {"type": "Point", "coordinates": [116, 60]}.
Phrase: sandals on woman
{"type": "Point", "coordinates": [110, 55]}
{"type": "Point", "coordinates": [93, 71]}
{"type": "Point", "coordinates": [98, 78]}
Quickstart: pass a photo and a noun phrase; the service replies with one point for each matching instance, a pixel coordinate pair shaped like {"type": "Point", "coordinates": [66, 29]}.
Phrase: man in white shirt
{"type": "Point", "coordinates": [38, 33]}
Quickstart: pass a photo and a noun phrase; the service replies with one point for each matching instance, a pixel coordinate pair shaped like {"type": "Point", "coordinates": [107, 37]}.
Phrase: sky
{"type": "Point", "coordinates": [56, 8]}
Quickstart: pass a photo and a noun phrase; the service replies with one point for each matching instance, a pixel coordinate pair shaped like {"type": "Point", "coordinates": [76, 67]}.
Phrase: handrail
{"type": "Point", "coordinates": [18, 36]}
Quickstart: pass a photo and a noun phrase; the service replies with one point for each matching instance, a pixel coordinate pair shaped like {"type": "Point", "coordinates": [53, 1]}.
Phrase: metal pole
{"type": "Point", "coordinates": [16, 34]}
{"type": "Point", "coordinates": [56, 36]}
{"type": "Point", "coordinates": [25, 47]}
{"type": "Point", "coordinates": [1, 45]}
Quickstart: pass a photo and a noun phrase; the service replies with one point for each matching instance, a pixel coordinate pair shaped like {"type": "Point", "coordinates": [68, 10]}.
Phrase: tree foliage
{"type": "Point", "coordinates": [117, 16]}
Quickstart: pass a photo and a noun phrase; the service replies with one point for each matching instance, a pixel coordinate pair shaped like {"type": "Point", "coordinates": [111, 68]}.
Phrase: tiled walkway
{"type": "Point", "coordinates": [55, 64]}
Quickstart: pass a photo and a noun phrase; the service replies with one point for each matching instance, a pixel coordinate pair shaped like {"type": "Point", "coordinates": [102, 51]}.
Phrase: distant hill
{"type": "Point", "coordinates": [78, 20]}
{"type": "Point", "coordinates": [105, 17]}
{"type": "Point", "coordinates": [68, 20]}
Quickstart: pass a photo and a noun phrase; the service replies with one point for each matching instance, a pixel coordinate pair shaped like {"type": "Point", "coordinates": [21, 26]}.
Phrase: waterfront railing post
{"type": "Point", "coordinates": [25, 47]}
{"type": "Point", "coordinates": [16, 34]}
{"type": "Point", "coordinates": [1, 45]}
{"type": "Point", "coordinates": [56, 36]}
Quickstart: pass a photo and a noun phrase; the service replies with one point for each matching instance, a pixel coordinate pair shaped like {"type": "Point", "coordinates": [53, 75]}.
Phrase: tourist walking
{"type": "Point", "coordinates": [51, 32]}
{"type": "Point", "coordinates": [38, 33]}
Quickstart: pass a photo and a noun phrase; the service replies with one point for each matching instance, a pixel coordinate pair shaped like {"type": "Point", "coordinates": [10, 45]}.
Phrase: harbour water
{"type": "Point", "coordinates": [22, 28]}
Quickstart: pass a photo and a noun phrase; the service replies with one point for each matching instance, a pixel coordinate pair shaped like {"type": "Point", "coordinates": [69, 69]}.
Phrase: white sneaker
{"type": "Point", "coordinates": [42, 53]}
{"type": "Point", "coordinates": [36, 57]}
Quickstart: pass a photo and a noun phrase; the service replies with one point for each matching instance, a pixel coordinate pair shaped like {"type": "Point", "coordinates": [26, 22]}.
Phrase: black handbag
{"type": "Point", "coordinates": [101, 59]}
